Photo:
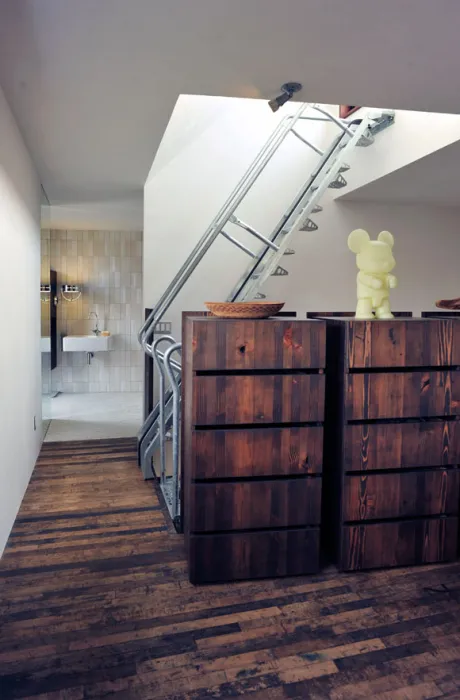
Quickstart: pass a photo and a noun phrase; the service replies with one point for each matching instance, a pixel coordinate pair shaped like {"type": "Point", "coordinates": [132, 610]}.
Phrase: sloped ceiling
{"type": "Point", "coordinates": [93, 83]}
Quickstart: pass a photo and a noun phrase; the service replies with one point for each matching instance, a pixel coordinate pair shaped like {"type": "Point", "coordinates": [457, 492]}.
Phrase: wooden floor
{"type": "Point", "coordinates": [95, 603]}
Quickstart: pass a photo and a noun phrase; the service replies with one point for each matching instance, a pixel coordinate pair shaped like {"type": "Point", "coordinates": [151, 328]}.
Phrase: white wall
{"type": "Point", "coordinates": [323, 271]}
{"type": "Point", "coordinates": [182, 196]}
{"type": "Point", "coordinates": [413, 135]}
{"type": "Point", "coordinates": [124, 214]}
{"type": "Point", "coordinates": [20, 367]}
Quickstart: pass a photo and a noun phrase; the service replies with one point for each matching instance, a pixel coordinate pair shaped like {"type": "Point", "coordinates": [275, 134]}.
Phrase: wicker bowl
{"type": "Point", "coordinates": [244, 309]}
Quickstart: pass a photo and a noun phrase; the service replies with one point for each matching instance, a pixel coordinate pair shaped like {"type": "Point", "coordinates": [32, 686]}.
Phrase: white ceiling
{"type": "Point", "coordinates": [93, 83]}
{"type": "Point", "coordinates": [434, 179]}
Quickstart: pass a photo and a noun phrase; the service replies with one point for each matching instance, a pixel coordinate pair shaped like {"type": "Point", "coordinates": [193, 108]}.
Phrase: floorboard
{"type": "Point", "coordinates": [95, 603]}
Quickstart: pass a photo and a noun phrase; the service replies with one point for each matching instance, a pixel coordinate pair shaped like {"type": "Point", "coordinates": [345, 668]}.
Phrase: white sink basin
{"type": "Point", "coordinates": [86, 343]}
{"type": "Point", "coordinates": [45, 344]}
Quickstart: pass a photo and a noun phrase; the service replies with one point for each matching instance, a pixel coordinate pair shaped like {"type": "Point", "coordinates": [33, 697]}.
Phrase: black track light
{"type": "Point", "coordinates": [288, 90]}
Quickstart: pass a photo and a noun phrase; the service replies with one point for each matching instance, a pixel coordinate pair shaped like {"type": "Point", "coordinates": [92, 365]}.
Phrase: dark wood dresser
{"type": "Point", "coordinates": [392, 442]}
{"type": "Point", "coordinates": [252, 446]}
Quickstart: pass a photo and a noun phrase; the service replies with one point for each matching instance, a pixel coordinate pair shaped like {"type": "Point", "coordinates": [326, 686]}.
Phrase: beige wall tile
{"type": "Point", "coordinates": [108, 265]}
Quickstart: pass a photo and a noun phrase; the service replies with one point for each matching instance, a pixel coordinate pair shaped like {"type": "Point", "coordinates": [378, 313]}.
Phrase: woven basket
{"type": "Point", "coordinates": [244, 309]}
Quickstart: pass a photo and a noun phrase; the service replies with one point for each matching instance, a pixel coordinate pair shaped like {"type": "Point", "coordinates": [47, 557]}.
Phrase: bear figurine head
{"type": "Point", "coordinates": [373, 257]}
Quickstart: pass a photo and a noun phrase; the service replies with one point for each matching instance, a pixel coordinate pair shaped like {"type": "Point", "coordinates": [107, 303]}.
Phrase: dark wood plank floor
{"type": "Point", "coordinates": [95, 603]}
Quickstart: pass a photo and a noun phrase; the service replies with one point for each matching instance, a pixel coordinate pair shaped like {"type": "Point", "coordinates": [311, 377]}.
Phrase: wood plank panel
{"type": "Point", "coordinates": [402, 395]}
{"type": "Point", "coordinates": [393, 495]}
{"type": "Point", "coordinates": [406, 543]}
{"type": "Point", "coordinates": [253, 554]}
{"type": "Point", "coordinates": [244, 344]}
{"type": "Point", "coordinates": [105, 620]}
{"type": "Point", "coordinates": [255, 504]}
{"type": "Point", "coordinates": [230, 400]}
{"type": "Point", "coordinates": [404, 343]}
{"type": "Point", "coordinates": [399, 445]}
{"type": "Point", "coordinates": [262, 452]}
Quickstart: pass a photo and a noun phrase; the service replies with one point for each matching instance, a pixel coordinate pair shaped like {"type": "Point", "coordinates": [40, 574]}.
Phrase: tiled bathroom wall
{"type": "Point", "coordinates": [108, 267]}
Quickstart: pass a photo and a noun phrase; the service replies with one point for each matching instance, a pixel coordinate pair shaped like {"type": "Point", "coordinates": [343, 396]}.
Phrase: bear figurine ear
{"type": "Point", "coordinates": [357, 239]}
{"type": "Point", "coordinates": [386, 237]}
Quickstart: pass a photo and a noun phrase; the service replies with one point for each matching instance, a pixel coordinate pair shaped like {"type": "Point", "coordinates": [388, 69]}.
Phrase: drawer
{"type": "Point", "coordinates": [399, 445]}
{"type": "Point", "coordinates": [255, 504]}
{"type": "Point", "coordinates": [404, 543]}
{"type": "Point", "coordinates": [224, 400]}
{"type": "Point", "coordinates": [220, 344]}
{"type": "Point", "coordinates": [248, 555]}
{"type": "Point", "coordinates": [396, 495]}
{"type": "Point", "coordinates": [257, 452]}
{"type": "Point", "coordinates": [404, 343]}
{"type": "Point", "coordinates": [402, 395]}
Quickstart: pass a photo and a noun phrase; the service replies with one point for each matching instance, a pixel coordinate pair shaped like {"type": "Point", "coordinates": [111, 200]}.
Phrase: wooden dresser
{"type": "Point", "coordinates": [392, 442]}
{"type": "Point", "coordinates": [252, 446]}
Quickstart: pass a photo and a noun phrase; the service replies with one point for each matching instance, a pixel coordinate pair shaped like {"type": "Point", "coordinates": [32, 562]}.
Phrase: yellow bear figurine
{"type": "Point", "coordinates": [375, 262]}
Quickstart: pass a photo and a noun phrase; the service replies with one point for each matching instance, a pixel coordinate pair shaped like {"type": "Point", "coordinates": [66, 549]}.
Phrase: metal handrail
{"type": "Point", "coordinates": [214, 229]}
{"type": "Point", "coordinates": [161, 402]}
{"type": "Point", "coordinates": [175, 505]}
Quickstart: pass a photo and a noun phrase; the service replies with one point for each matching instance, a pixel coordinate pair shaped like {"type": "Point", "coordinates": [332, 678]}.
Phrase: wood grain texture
{"type": "Point", "coordinates": [407, 494]}
{"type": "Point", "coordinates": [95, 602]}
{"type": "Point", "coordinates": [251, 555]}
{"type": "Point", "coordinates": [268, 344]}
{"type": "Point", "coordinates": [385, 414]}
{"type": "Point", "coordinates": [404, 343]}
{"type": "Point", "coordinates": [232, 400]}
{"type": "Point", "coordinates": [400, 445]}
{"type": "Point", "coordinates": [255, 504]}
{"type": "Point", "coordinates": [402, 395]}
{"type": "Point", "coordinates": [262, 452]}
{"type": "Point", "coordinates": [402, 543]}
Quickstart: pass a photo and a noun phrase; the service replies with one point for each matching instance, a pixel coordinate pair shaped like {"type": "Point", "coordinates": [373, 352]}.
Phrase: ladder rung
{"type": "Point", "coordinates": [279, 272]}
{"type": "Point", "coordinates": [309, 225]}
{"type": "Point", "coordinates": [338, 183]}
{"type": "Point", "coordinates": [239, 245]}
{"type": "Point", "coordinates": [235, 220]}
{"type": "Point", "coordinates": [289, 251]}
{"type": "Point", "coordinates": [307, 143]}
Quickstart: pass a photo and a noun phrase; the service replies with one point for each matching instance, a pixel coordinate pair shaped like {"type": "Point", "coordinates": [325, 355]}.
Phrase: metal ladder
{"type": "Point", "coordinates": [264, 262]}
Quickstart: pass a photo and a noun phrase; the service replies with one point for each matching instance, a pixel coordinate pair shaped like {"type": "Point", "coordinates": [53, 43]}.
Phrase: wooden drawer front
{"type": "Point", "coordinates": [258, 399]}
{"type": "Point", "coordinates": [402, 395]}
{"type": "Point", "coordinates": [244, 344]}
{"type": "Point", "coordinates": [403, 543]}
{"type": "Point", "coordinates": [393, 495]}
{"type": "Point", "coordinates": [415, 343]}
{"type": "Point", "coordinates": [259, 452]}
{"type": "Point", "coordinates": [399, 445]}
{"type": "Point", "coordinates": [255, 504]}
{"type": "Point", "coordinates": [247, 555]}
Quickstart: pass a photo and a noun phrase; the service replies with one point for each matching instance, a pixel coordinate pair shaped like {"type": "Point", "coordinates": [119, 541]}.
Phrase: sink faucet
{"type": "Point", "coordinates": [96, 330]}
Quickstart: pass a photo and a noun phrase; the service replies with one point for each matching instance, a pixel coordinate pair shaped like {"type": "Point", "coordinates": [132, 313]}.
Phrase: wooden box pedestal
{"type": "Point", "coordinates": [252, 432]}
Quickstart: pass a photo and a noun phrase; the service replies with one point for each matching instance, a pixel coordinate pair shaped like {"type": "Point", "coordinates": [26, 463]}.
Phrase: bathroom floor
{"type": "Point", "coordinates": [94, 416]}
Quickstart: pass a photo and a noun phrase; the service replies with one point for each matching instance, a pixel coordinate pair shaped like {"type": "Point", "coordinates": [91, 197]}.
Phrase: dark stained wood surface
{"type": "Point", "coordinates": [256, 554]}
{"type": "Point", "coordinates": [95, 602]}
{"type": "Point", "coordinates": [407, 494]}
{"type": "Point", "coordinates": [249, 389]}
{"type": "Point", "coordinates": [231, 400]}
{"type": "Point", "coordinates": [262, 452]}
{"type": "Point", "coordinates": [404, 343]}
{"type": "Point", "coordinates": [246, 505]}
{"type": "Point", "coordinates": [226, 344]}
{"type": "Point", "coordinates": [392, 408]}
{"type": "Point", "coordinates": [401, 445]}
{"type": "Point", "coordinates": [399, 543]}
{"type": "Point", "coordinates": [403, 395]}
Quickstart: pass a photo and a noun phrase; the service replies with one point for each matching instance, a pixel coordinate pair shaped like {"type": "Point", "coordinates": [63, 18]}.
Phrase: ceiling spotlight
{"type": "Point", "coordinates": [288, 90]}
